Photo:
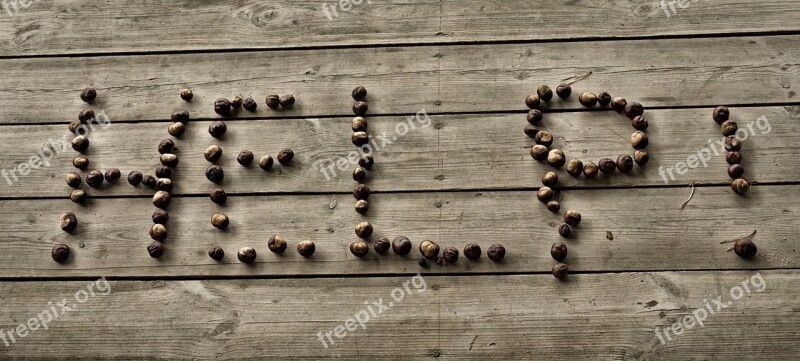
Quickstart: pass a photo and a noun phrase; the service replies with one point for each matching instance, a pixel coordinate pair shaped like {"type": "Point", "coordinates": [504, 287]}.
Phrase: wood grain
{"type": "Point", "coordinates": [596, 316]}
{"type": "Point", "coordinates": [454, 152]}
{"type": "Point", "coordinates": [403, 80]}
{"type": "Point", "coordinates": [58, 27]}
{"type": "Point", "coordinates": [622, 230]}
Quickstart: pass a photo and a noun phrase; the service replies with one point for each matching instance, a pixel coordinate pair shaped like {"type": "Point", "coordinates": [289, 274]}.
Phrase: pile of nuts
{"type": "Point", "coordinates": [733, 146]}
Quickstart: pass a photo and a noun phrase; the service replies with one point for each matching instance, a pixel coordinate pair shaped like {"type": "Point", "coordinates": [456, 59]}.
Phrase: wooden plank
{"type": "Point", "coordinates": [475, 78]}
{"type": "Point", "coordinates": [622, 230]}
{"type": "Point", "coordinates": [481, 317]}
{"type": "Point", "coordinates": [451, 152]}
{"type": "Point", "coordinates": [118, 26]}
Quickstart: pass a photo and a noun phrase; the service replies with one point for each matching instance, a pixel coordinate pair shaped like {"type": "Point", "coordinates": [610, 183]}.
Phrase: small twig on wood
{"type": "Point", "coordinates": [690, 196]}
{"type": "Point", "coordinates": [578, 77]}
{"type": "Point", "coordinates": [747, 237]}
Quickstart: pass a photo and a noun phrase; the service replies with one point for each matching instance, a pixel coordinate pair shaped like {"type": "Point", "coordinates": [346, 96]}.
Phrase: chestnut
{"type": "Point", "coordinates": [158, 232]}
{"type": "Point", "coordinates": [550, 179]}
{"type": "Point", "coordinates": [155, 249]}
{"type": "Point", "coordinates": [496, 252]}
{"type": "Point", "coordinates": [429, 249]}
{"type": "Point", "coordinates": [573, 218]}
{"type": "Point", "coordinates": [733, 143]}
{"type": "Point", "coordinates": [68, 221]}
{"type": "Point", "coordinates": [587, 99]}
{"type": "Point", "coordinates": [560, 271]}
{"type": "Point", "coordinates": [641, 156]}
{"type": "Point", "coordinates": [277, 244]}
{"type": "Point", "coordinates": [220, 220]}
{"type": "Point", "coordinates": [359, 249]}
{"type": "Point", "coordinates": [85, 115]}
{"type": "Point", "coordinates": [266, 162]}
{"type": "Point", "coordinates": [359, 138]}
{"type": "Point", "coordinates": [639, 123]}
{"type": "Point", "coordinates": [216, 253]}
{"type": "Point", "coordinates": [553, 206]}
{"type": "Point", "coordinates": [633, 109]}
{"type": "Point", "coordinates": [364, 230]}
{"type": "Point", "coordinates": [80, 143]}
{"type": "Point", "coordinates": [556, 158]}
{"type": "Point", "coordinates": [236, 102]}
{"type": "Point", "coordinates": [530, 131]}
{"type": "Point", "coordinates": [401, 245]}
{"type": "Point", "coordinates": [222, 107]}
{"type": "Point", "coordinates": [245, 158]}
{"type": "Point", "coordinates": [94, 179]}
{"type": "Point", "coordinates": [247, 255]}
{"type": "Point", "coordinates": [80, 162]}
{"type": "Point", "coordinates": [450, 254]}
{"type": "Point", "coordinates": [60, 253]}
{"type": "Point", "coordinates": [218, 196]}
{"type": "Point", "coordinates": [186, 94]}
{"type": "Point", "coordinates": [575, 168]}
{"type": "Point", "coordinates": [735, 171]}
{"type": "Point", "coordinates": [366, 161]}
{"type": "Point", "coordinates": [590, 170]}
{"type": "Point", "coordinates": [285, 156]}
{"type": "Point", "coordinates": [729, 127]}
{"type": "Point", "coordinates": [286, 101]}
{"type": "Point", "coordinates": [382, 245]}
{"type": "Point", "coordinates": [176, 129]}
{"type": "Point", "coordinates": [166, 146]}
{"type": "Point", "coordinates": [745, 248]}
{"type": "Point", "coordinates": [77, 196]}
{"type": "Point", "coordinates": [544, 92]}
{"type": "Point", "coordinates": [544, 138]}
{"type": "Point", "coordinates": [73, 180]}
{"type": "Point", "coordinates": [306, 248]}
{"type": "Point", "coordinates": [362, 206]}
{"type": "Point", "coordinates": [217, 129]}
{"type": "Point", "coordinates": [359, 174]}
{"type": "Point", "coordinates": [532, 101]}
{"type": "Point", "coordinates": [169, 160]}
{"type": "Point", "coordinates": [564, 230]}
{"type": "Point", "coordinates": [164, 184]}
{"type": "Point", "coordinates": [273, 101]}
{"type": "Point", "coordinates": [558, 251]}
{"type": "Point", "coordinates": [539, 152]}
{"type": "Point", "coordinates": [161, 199]}
{"type": "Point", "coordinates": [535, 116]}
{"type": "Point", "coordinates": [360, 108]}
{"type": "Point", "coordinates": [135, 178]}
{"type": "Point", "coordinates": [604, 99]}
{"type": "Point", "coordinates": [88, 95]}
{"type": "Point", "coordinates": [564, 91]}
{"type": "Point", "coordinates": [545, 194]}
{"type": "Point", "coordinates": [639, 140]}
{"type": "Point", "coordinates": [250, 104]}
{"type": "Point", "coordinates": [180, 116]}
{"type": "Point", "coordinates": [721, 114]}
{"type": "Point", "coordinates": [213, 153]}
{"type": "Point", "coordinates": [618, 104]}
{"type": "Point", "coordinates": [160, 217]}
{"type": "Point", "coordinates": [624, 163]}
{"type": "Point", "coordinates": [733, 157]}
{"type": "Point", "coordinates": [472, 251]}
{"type": "Point", "coordinates": [215, 174]}
{"type": "Point", "coordinates": [149, 181]}
{"type": "Point", "coordinates": [359, 93]}
{"type": "Point", "coordinates": [163, 171]}
{"type": "Point", "coordinates": [361, 191]}
{"type": "Point", "coordinates": [359, 124]}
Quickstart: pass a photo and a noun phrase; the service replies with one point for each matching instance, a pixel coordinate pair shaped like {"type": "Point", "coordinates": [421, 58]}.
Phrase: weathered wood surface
{"type": "Point", "coordinates": [403, 80]}
{"type": "Point", "coordinates": [598, 316]}
{"type": "Point", "coordinates": [622, 230]}
{"type": "Point", "coordinates": [60, 26]}
{"type": "Point", "coordinates": [452, 152]}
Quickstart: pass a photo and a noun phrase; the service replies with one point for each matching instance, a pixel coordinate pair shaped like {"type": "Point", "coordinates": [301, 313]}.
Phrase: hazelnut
{"type": "Point", "coordinates": [544, 138]}
{"type": "Point", "coordinates": [186, 94]}
{"type": "Point", "coordinates": [633, 109]}
{"type": "Point", "coordinates": [359, 174]}
{"type": "Point", "coordinates": [735, 171]}
{"type": "Point", "coordinates": [575, 168]}
{"type": "Point", "coordinates": [73, 179]}
{"type": "Point", "coordinates": [149, 181]}
{"type": "Point", "coordinates": [219, 196]}
{"type": "Point", "coordinates": [733, 143]}
{"type": "Point", "coordinates": [472, 251]}
{"type": "Point", "coordinates": [266, 162]}
{"type": "Point", "coordinates": [164, 184]}
{"type": "Point", "coordinates": [158, 232]}
{"type": "Point", "coordinates": [573, 218]}
{"type": "Point", "coordinates": [564, 91]}
{"type": "Point", "coordinates": [729, 127]}
{"type": "Point", "coordinates": [604, 99]}
{"type": "Point", "coordinates": [163, 171]}
{"type": "Point", "coordinates": [176, 129]}
{"type": "Point", "coordinates": [564, 230]}
{"type": "Point", "coordinates": [80, 162]}
{"type": "Point", "coordinates": [359, 124]}
{"type": "Point", "coordinates": [588, 99]}
{"type": "Point", "coordinates": [246, 255]}
{"type": "Point", "coordinates": [180, 116]}
{"type": "Point", "coordinates": [277, 244]}
{"type": "Point", "coordinates": [745, 248]}
{"type": "Point", "coordinates": [560, 271]}
{"type": "Point", "coordinates": [639, 140]}
{"type": "Point", "coordinates": [496, 252]}
{"type": "Point", "coordinates": [222, 107]}
{"type": "Point", "coordinates": [361, 191]}
{"type": "Point", "coordinates": [531, 131]}
{"type": "Point", "coordinates": [553, 206]}
{"type": "Point", "coordinates": [535, 116]}
{"type": "Point", "coordinates": [155, 249]}
{"type": "Point", "coordinates": [88, 95]}
{"type": "Point", "coordinates": [618, 104]}
{"type": "Point", "coordinates": [245, 158]}
{"type": "Point", "coordinates": [590, 170]}
{"type": "Point", "coordinates": [733, 157]}
{"type": "Point", "coordinates": [217, 129]}
{"type": "Point", "coordinates": [556, 158]}
{"type": "Point", "coordinates": [641, 156]}
{"type": "Point", "coordinates": [401, 245]}
{"type": "Point", "coordinates": [450, 254]}
{"type": "Point", "coordinates": [161, 199]}
{"type": "Point", "coordinates": [306, 248]}
{"type": "Point", "coordinates": [364, 230]}
{"type": "Point", "coordinates": [77, 196]}
{"type": "Point", "coordinates": [86, 115]}
{"type": "Point", "coordinates": [250, 104]}
{"type": "Point", "coordinates": [359, 138]}
{"type": "Point", "coordinates": [287, 101]}
{"type": "Point", "coordinates": [135, 178]}
{"type": "Point", "coordinates": [359, 249]}
{"type": "Point", "coordinates": [359, 93]}
{"type": "Point", "coordinates": [216, 253]}
{"type": "Point", "coordinates": [94, 179]}
{"type": "Point", "coordinates": [550, 179]}
{"type": "Point", "coordinates": [545, 194]}
{"type": "Point", "coordinates": [236, 102]}
{"type": "Point", "coordinates": [721, 114]}
{"type": "Point", "coordinates": [639, 123]}
{"type": "Point", "coordinates": [532, 101]}
{"type": "Point", "coordinates": [624, 163]}
{"type": "Point", "coordinates": [429, 249]}
{"type": "Point", "coordinates": [220, 220]}
{"type": "Point", "coordinates": [80, 143]}
{"type": "Point", "coordinates": [558, 251]}
{"type": "Point", "coordinates": [382, 245]}
{"type": "Point", "coordinates": [68, 222]}
{"type": "Point", "coordinates": [366, 161]}
{"type": "Point", "coordinates": [273, 101]}
{"type": "Point", "coordinates": [169, 160]}
{"type": "Point", "coordinates": [539, 152]}
{"type": "Point", "coordinates": [215, 174]}
{"type": "Point", "coordinates": [362, 206]}
{"type": "Point", "coordinates": [740, 186]}
{"type": "Point", "coordinates": [360, 108]}
{"type": "Point", "coordinates": [213, 153]}
{"type": "Point", "coordinates": [285, 156]}
{"type": "Point", "coordinates": [544, 92]}
{"type": "Point", "coordinates": [60, 253]}
{"type": "Point", "coordinates": [160, 217]}
{"type": "Point", "coordinates": [166, 146]}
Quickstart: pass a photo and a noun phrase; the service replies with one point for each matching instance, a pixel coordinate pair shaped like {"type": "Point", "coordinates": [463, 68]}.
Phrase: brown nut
{"type": "Point", "coordinates": [590, 170]}
{"type": "Point", "coordinates": [359, 249]}
{"type": "Point", "coordinates": [429, 249]}
{"type": "Point", "coordinates": [588, 99]}
{"type": "Point", "coordinates": [68, 222]}
{"type": "Point", "coordinates": [401, 245]}
{"type": "Point", "coordinates": [556, 158]}
{"type": "Point", "coordinates": [496, 252]}
{"type": "Point", "coordinates": [539, 152]}
{"type": "Point", "coordinates": [158, 232]}
{"type": "Point", "coordinates": [306, 248]}
{"type": "Point", "coordinates": [220, 220]}
{"type": "Point", "coordinates": [364, 230]}
{"type": "Point", "coordinates": [277, 244]}
{"type": "Point", "coordinates": [575, 168]}
{"type": "Point", "coordinates": [571, 217]}
{"type": "Point", "coordinates": [624, 163]}
{"type": "Point", "coordinates": [247, 255]}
